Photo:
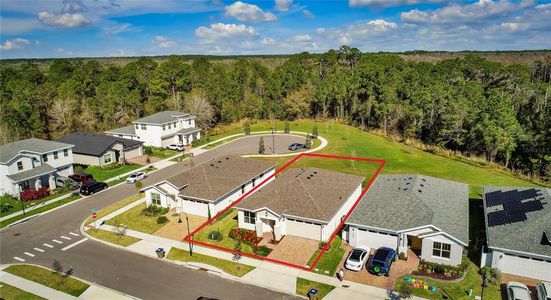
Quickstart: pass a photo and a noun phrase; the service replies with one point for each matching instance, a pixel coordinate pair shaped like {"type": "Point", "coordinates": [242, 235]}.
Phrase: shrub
{"type": "Point", "coordinates": [263, 251]}
{"type": "Point", "coordinates": [215, 235]}
{"type": "Point", "coordinates": [322, 244]}
{"type": "Point", "coordinates": [404, 291]}
{"type": "Point", "coordinates": [493, 275]}
{"type": "Point", "coordinates": [402, 256]}
{"type": "Point", "coordinates": [287, 129]}
{"type": "Point", "coordinates": [31, 194]}
{"type": "Point", "coordinates": [154, 211]}
{"type": "Point", "coordinates": [162, 220]}
{"type": "Point", "coordinates": [110, 166]}
{"type": "Point", "coordinates": [148, 150]}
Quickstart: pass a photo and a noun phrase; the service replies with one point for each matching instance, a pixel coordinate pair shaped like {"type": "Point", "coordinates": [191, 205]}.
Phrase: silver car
{"type": "Point", "coordinates": [544, 290]}
{"type": "Point", "coordinates": [517, 291]}
{"type": "Point", "coordinates": [357, 258]}
{"type": "Point", "coordinates": [135, 177]}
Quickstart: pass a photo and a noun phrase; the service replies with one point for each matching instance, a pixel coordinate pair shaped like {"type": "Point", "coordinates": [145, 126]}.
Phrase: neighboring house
{"type": "Point", "coordinates": [427, 214]}
{"type": "Point", "coordinates": [161, 129]}
{"type": "Point", "coordinates": [100, 149]}
{"type": "Point", "coordinates": [33, 163]}
{"type": "Point", "coordinates": [210, 187]}
{"type": "Point", "coordinates": [518, 231]}
{"type": "Point", "coordinates": [308, 203]}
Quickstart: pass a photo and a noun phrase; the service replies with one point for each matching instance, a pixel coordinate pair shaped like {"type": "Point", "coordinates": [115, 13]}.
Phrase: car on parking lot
{"type": "Point", "coordinates": [81, 177]}
{"type": "Point", "coordinates": [381, 261]}
{"type": "Point", "coordinates": [135, 177]}
{"type": "Point", "coordinates": [517, 291]}
{"type": "Point", "coordinates": [62, 182]}
{"type": "Point", "coordinates": [296, 146]}
{"type": "Point", "coordinates": [357, 258]}
{"type": "Point", "coordinates": [544, 290]}
{"type": "Point", "coordinates": [176, 147]}
{"type": "Point", "coordinates": [92, 187]}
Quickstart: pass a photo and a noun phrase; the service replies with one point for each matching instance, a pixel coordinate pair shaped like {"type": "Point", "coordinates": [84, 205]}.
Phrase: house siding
{"type": "Point", "coordinates": [456, 254]}
{"type": "Point", "coordinates": [332, 225]}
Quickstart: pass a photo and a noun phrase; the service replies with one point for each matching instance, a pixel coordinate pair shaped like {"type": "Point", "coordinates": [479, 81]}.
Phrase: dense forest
{"type": "Point", "coordinates": [467, 104]}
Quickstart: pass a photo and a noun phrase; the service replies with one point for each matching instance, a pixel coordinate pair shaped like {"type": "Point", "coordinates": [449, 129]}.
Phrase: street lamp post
{"type": "Point", "coordinates": [484, 285]}
{"type": "Point", "coordinates": [190, 242]}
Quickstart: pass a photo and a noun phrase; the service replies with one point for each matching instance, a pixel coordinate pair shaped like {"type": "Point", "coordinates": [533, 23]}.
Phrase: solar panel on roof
{"type": "Point", "coordinates": [493, 198]}
{"type": "Point", "coordinates": [516, 218]}
{"type": "Point", "coordinates": [532, 206]}
{"type": "Point", "coordinates": [497, 218]}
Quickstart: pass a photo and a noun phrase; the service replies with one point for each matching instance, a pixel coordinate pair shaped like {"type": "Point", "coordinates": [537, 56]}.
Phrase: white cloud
{"type": "Point", "coordinates": [245, 12]}
{"type": "Point", "coordinates": [17, 43]}
{"type": "Point", "coordinates": [218, 31]}
{"type": "Point", "coordinates": [307, 13]}
{"type": "Point", "coordinates": [268, 41]}
{"type": "Point", "coordinates": [301, 38]}
{"type": "Point", "coordinates": [387, 3]}
{"type": "Point", "coordinates": [66, 20]}
{"type": "Point", "coordinates": [163, 42]}
{"type": "Point", "coordinates": [120, 28]}
{"type": "Point", "coordinates": [283, 5]}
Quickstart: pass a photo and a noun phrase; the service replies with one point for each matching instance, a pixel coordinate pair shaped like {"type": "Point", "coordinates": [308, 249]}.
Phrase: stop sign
{"type": "Point", "coordinates": [94, 215]}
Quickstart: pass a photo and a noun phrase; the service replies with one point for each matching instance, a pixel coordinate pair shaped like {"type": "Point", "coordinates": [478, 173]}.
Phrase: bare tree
{"type": "Point", "coordinates": [197, 104]}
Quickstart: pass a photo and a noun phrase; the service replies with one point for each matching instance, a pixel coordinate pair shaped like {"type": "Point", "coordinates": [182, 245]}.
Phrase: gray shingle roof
{"type": "Point", "coordinates": [126, 130]}
{"type": "Point", "coordinates": [217, 177]}
{"type": "Point", "coordinates": [525, 236]}
{"type": "Point", "coordinates": [10, 150]}
{"type": "Point", "coordinates": [310, 193]}
{"type": "Point", "coordinates": [162, 117]}
{"type": "Point", "coordinates": [95, 144]}
{"type": "Point", "coordinates": [43, 169]}
{"type": "Point", "coordinates": [400, 202]}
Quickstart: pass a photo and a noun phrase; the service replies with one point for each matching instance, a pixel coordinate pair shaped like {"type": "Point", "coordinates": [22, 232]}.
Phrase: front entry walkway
{"type": "Point", "coordinates": [293, 249]}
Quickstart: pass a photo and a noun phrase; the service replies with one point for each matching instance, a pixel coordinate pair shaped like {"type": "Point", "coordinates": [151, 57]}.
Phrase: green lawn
{"type": "Point", "coordinates": [230, 267]}
{"type": "Point", "coordinates": [48, 278]}
{"type": "Point", "coordinates": [133, 219]}
{"type": "Point", "coordinates": [9, 292]}
{"type": "Point", "coordinates": [224, 225]}
{"type": "Point", "coordinates": [456, 290]}
{"type": "Point", "coordinates": [101, 174]}
{"type": "Point", "coordinates": [115, 206]}
{"type": "Point", "coordinates": [39, 210]}
{"type": "Point", "coordinates": [181, 157]}
{"type": "Point", "coordinates": [161, 152]}
{"type": "Point", "coordinates": [305, 285]}
{"type": "Point", "coordinates": [111, 237]}
{"type": "Point", "coordinates": [330, 259]}
{"type": "Point", "coordinates": [29, 205]}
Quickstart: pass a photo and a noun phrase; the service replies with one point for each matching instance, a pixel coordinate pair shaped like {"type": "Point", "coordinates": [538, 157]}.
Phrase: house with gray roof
{"type": "Point", "coordinates": [518, 228]}
{"type": "Point", "coordinates": [209, 187]}
{"type": "Point", "coordinates": [161, 129]}
{"type": "Point", "coordinates": [304, 202]}
{"type": "Point", "coordinates": [99, 149]}
{"type": "Point", "coordinates": [428, 215]}
{"type": "Point", "coordinates": [33, 163]}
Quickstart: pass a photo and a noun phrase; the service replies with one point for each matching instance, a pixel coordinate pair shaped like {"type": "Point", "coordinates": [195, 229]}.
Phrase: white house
{"type": "Point", "coordinates": [518, 231]}
{"type": "Point", "coordinates": [425, 214]}
{"type": "Point", "coordinates": [161, 129]}
{"type": "Point", "coordinates": [308, 203]}
{"type": "Point", "coordinates": [33, 163]}
{"type": "Point", "coordinates": [99, 149]}
{"type": "Point", "coordinates": [210, 187]}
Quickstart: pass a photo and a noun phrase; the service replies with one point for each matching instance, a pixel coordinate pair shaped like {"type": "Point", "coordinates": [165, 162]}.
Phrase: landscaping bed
{"type": "Point", "coordinates": [305, 285]}
{"type": "Point", "coordinates": [112, 237]}
{"type": "Point", "coordinates": [330, 260]}
{"type": "Point", "coordinates": [439, 271]}
{"type": "Point", "coordinates": [230, 267]}
{"type": "Point", "coordinates": [247, 236]}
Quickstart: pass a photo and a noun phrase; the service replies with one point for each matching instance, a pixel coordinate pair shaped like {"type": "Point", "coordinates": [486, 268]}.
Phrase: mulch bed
{"type": "Point", "coordinates": [245, 235]}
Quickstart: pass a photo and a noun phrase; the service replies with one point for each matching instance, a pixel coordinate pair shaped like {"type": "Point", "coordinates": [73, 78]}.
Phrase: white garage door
{"type": "Point", "coordinates": [196, 208]}
{"type": "Point", "coordinates": [372, 239]}
{"type": "Point", "coordinates": [303, 229]}
{"type": "Point", "coordinates": [131, 153]}
{"type": "Point", "coordinates": [525, 267]}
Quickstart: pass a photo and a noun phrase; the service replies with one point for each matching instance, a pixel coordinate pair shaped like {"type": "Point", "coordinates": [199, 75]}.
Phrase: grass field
{"type": "Point", "coordinates": [161, 152]}
{"type": "Point", "coordinates": [305, 285]}
{"type": "Point", "coordinates": [230, 267]}
{"type": "Point", "coordinates": [330, 259]}
{"type": "Point", "coordinates": [113, 207]}
{"type": "Point", "coordinates": [9, 292]}
{"type": "Point", "coordinates": [134, 220]}
{"type": "Point", "coordinates": [101, 174]}
{"type": "Point", "coordinates": [112, 237]}
{"type": "Point", "coordinates": [48, 278]}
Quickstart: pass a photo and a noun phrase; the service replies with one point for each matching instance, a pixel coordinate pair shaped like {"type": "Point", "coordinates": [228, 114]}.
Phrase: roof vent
{"type": "Point", "coordinates": [212, 165]}
{"type": "Point", "coordinates": [423, 179]}
{"type": "Point", "coordinates": [315, 172]}
{"type": "Point", "coordinates": [420, 191]}
{"type": "Point", "coordinates": [227, 158]}
{"type": "Point", "coordinates": [219, 161]}
{"type": "Point", "coordinates": [422, 185]}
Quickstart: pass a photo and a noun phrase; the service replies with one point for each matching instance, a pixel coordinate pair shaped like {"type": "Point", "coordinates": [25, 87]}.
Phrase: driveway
{"type": "Point", "coordinates": [293, 249]}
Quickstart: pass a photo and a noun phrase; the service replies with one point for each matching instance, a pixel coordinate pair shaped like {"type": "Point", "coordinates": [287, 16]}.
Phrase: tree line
{"type": "Point", "coordinates": [468, 104]}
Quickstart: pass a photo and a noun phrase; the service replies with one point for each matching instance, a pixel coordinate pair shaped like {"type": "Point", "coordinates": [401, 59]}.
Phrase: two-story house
{"type": "Point", "coordinates": [33, 163]}
{"type": "Point", "coordinates": [161, 129]}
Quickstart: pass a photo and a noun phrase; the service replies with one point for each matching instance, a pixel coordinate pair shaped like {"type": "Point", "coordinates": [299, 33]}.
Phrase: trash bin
{"type": "Point", "coordinates": [160, 252]}
{"type": "Point", "coordinates": [313, 294]}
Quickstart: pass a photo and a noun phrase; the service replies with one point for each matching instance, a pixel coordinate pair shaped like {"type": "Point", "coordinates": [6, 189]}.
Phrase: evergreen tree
{"type": "Point", "coordinates": [287, 128]}
{"type": "Point", "coordinates": [261, 148]}
{"type": "Point", "coordinates": [315, 132]}
{"type": "Point", "coordinates": [308, 142]}
{"type": "Point", "coordinates": [247, 129]}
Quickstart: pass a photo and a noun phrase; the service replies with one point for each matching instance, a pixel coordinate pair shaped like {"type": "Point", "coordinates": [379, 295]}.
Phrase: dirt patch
{"type": "Point", "coordinates": [177, 231]}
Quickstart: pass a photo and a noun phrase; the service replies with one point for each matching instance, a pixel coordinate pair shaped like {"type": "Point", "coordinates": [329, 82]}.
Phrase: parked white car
{"type": "Point", "coordinates": [357, 258]}
{"type": "Point", "coordinates": [517, 291]}
{"type": "Point", "coordinates": [61, 182]}
{"type": "Point", "coordinates": [135, 177]}
{"type": "Point", "coordinates": [176, 147]}
{"type": "Point", "coordinates": [544, 290]}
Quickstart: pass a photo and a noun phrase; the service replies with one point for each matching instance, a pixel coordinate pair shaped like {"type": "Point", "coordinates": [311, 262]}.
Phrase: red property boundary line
{"type": "Point", "coordinates": [381, 162]}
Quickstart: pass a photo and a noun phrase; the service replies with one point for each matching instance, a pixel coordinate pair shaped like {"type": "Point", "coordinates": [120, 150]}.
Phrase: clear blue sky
{"type": "Point", "coordinates": [69, 28]}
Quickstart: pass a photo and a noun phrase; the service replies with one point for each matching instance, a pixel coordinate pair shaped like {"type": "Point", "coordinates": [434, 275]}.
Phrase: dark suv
{"type": "Point", "coordinates": [81, 177]}
{"type": "Point", "coordinates": [381, 261]}
{"type": "Point", "coordinates": [92, 187]}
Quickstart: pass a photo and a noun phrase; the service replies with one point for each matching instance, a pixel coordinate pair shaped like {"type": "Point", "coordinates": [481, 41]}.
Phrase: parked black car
{"type": "Point", "coordinates": [92, 187]}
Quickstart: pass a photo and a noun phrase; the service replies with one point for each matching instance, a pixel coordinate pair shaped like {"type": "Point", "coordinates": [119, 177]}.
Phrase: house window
{"type": "Point", "coordinates": [164, 128]}
{"type": "Point", "coordinates": [144, 127]}
{"type": "Point", "coordinates": [189, 122]}
{"type": "Point", "coordinates": [254, 182]}
{"type": "Point", "coordinates": [65, 152]}
{"type": "Point", "coordinates": [250, 217]}
{"type": "Point", "coordinates": [107, 158]}
{"type": "Point", "coordinates": [45, 157]}
{"type": "Point", "coordinates": [19, 165]}
{"type": "Point", "coordinates": [137, 126]}
{"type": "Point", "coordinates": [441, 249]}
{"type": "Point", "coordinates": [261, 175]}
{"type": "Point", "coordinates": [155, 199]}
{"type": "Point", "coordinates": [25, 185]}
{"type": "Point", "coordinates": [242, 189]}
{"type": "Point", "coordinates": [55, 155]}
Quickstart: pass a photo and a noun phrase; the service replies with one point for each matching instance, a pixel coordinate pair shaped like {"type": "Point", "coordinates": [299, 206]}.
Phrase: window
{"type": "Point", "coordinates": [261, 175]}
{"type": "Point", "coordinates": [55, 155]}
{"type": "Point", "coordinates": [107, 158]}
{"type": "Point", "coordinates": [144, 127]}
{"type": "Point", "coordinates": [155, 199]}
{"type": "Point", "coordinates": [25, 185]}
{"type": "Point", "coordinates": [250, 217]}
{"type": "Point", "coordinates": [45, 157]}
{"type": "Point", "coordinates": [242, 189]}
{"type": "Point", "coordinates": [164, 128]}
{"type": "Point", "coordinates": [137, 126]}
{"type": "Point", "coordinates": [189, 122]}
{"type": "Point", "coordinates": [19, 165]}
{"type": "Point", "coordinates": [65, 152]}
{"type": "Point", "coordinates": [254, 182]}
{"type": "Point", "coordinates": [441, 249]}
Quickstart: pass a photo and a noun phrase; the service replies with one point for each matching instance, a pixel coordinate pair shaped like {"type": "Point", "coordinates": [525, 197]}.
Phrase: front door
{"type": "Point", "coordinates": [415, 243]}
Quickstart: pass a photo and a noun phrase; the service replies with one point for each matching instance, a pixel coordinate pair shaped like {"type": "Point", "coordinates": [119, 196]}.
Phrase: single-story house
{"type": "Point", "coordinates": [208, 188]}
{"type": "Point", "coordinates": [426, 214]}
{"type": "Point", "coordinates": [518, 230]}
{"type": "Point", "coordinates": [99, 149]}
{"type": "Point", "coordinates": [304, 202]}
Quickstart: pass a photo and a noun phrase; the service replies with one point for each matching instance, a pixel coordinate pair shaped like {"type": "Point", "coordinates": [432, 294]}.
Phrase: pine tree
{"type": "Point", "coordinates": [315, 132]}
{"type": "Point", "coordinates": [247, 129]}
{"type": "Point", "coordinates": [287, 127]}
{"type": "Point", "coordinates": [308, 142]}
{"type": "Point", "coordinates": [261, 148]}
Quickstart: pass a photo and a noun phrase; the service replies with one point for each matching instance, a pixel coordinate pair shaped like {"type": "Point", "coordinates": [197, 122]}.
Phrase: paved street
{"type": "Point", "coordinates": [44, 238]}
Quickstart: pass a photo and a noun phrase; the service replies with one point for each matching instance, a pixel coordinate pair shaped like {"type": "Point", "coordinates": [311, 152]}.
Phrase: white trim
{"type": "Point", "coordinates": [545, 257]}
{"type": "Point", "coordinates": [25, 151]}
